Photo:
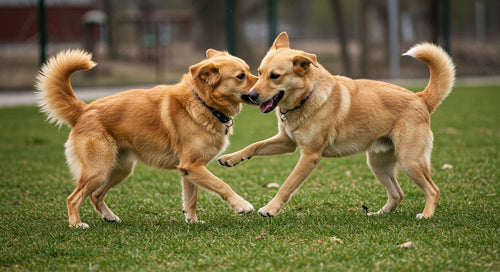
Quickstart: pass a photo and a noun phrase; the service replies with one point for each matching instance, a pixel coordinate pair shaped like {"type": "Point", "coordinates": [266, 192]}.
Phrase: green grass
{"type": "Point", "coordinates": [464, 235]}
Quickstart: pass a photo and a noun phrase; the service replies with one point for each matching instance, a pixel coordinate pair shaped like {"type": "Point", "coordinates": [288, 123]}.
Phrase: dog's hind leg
{"type": "Point", "coordinates": [92, 159]}
{"type": "Point", "coordinates": [124, 165]}
{"type": "Point", "coordinates": [420, 173]}
{"type": "Point", "coordinates": [415, 163]}
{"type": "Point", "coordinates": [383, 166]}
{"type": "Point", "coordinates": [189, 199]}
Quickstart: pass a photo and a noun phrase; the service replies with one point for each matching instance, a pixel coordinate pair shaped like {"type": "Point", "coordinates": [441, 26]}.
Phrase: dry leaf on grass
{"type": "Point", "coordinates": [261, 236]}
{"type": "Point", "coordinates": [336, 240]}
{"type": "Point", "coordinates": [405, 245]}
{"type": "Point", "coordinates": [271, 185]}
{"type": "Point", "coordinates": [446, 166]}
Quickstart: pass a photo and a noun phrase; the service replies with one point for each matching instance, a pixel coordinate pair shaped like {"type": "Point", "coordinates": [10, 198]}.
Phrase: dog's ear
{"type": "Point", "coordinates": [207, 73]}
{"type": "Point", "coordinates": [281, 41]}
{"type": "Point", "coordinates": [302, 62]}
{"type": "Point", "coordinates": [212, 53]}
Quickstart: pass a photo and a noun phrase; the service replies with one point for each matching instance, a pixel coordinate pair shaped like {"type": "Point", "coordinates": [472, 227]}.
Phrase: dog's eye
{"type": "Point", "coordinates": [274, 76]}
{"type": "Point", "coordinates": [241, 76]}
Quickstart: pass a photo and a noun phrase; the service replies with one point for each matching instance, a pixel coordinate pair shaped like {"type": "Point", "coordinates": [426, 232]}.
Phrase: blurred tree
{"type": "Point", "coordinates": [210, 21]}
{"type": "Point", "coordinates": [109, 9]}
{"type": "Point", "coordinates": [433, 19]}
{"type": "Point", "coordinates": [243, 50]}
{"type": "Point", "coordinates": [363, 33]}
{"type": "Point", "coordinates": [340, 27]}
{"type": "Point", "coordinates": [301, 10]}
{"type": "Point", "coordinates": [212, 25]}
{"type": "Point", "coordinates": [42, 32]}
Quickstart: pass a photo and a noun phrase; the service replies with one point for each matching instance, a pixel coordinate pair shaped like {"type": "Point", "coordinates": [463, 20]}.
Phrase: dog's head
{"type": "Point", "coordinates": [222, 78]}
{"type": "Point", "coordinates": [285, 76]}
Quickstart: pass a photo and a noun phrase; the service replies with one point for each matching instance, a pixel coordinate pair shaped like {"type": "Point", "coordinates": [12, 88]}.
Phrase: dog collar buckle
{"type": "Point", "coordinates": [283, 116]}
{"type": "Point", "coordinates": [228, 126]}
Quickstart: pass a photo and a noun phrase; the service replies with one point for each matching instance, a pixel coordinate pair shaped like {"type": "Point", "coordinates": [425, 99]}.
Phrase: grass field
{"type": "Point", "coordinates": [464, 235]}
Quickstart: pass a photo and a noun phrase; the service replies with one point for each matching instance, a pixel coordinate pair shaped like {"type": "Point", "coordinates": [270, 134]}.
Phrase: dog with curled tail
{"type": "Point", "coordinates": [181, 126]}
{"type": "Point", "coordinates": [334, 116]}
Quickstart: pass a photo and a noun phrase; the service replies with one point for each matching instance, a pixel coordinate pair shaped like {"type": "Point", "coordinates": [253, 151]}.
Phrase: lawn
{"type": "Point", "coordinates": [464, 235]}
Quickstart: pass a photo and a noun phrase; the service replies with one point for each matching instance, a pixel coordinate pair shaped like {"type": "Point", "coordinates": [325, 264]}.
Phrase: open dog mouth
{"type": "Point", "coordinates": [270, 104]}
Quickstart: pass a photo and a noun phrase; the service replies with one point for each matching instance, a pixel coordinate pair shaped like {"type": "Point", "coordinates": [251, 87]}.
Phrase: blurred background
{"type": "Point", "coordinates": [152, 42]}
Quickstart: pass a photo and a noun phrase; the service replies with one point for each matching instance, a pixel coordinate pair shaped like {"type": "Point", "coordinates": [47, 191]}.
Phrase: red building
{"type": "Point", "coordinates": [19, 20]}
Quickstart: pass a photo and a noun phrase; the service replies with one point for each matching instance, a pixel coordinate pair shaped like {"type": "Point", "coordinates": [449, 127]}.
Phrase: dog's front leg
{"type": "Point", "coordinates": [275, 145]}
{"type": "Point", "coordinates": [200, 176]}
{"type": "Point", "coordinates": [304, 167]}
{"type": "Point", "coordinates": [189, 198]}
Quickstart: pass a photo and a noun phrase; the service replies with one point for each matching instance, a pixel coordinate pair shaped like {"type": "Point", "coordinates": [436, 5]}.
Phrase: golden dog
{"type": "Point", "coordinates": [334, 116]}
{"type": "Point", "coordinates": [181, 126]}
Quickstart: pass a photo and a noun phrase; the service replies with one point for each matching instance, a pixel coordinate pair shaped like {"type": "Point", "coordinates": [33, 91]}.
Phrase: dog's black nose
{"type": "Point", "coordinates": [253, 96]}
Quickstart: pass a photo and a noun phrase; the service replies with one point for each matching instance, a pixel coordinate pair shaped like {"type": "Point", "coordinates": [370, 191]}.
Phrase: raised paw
{"type": "Point", "coordinates": [231, 160]}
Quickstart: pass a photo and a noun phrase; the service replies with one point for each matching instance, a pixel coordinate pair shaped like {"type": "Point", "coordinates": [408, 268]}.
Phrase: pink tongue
{"type": "Point", "coordinates": [264, 107]}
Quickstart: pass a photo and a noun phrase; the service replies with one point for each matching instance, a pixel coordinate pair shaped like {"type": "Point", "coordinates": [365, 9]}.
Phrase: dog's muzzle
{"type": "Point", "coordinates": [253, 97]}
{"type": "Point", "coordinates": [246, 98]}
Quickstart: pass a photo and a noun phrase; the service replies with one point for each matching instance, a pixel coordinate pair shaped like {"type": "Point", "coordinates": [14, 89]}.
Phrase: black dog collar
{"type": "Point", "coordinates": [219, 115]}
{"type": "Point", "coordinates": [301, 103]}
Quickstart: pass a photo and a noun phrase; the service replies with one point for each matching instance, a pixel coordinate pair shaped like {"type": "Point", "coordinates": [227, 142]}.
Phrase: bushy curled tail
{"type": "Point", "coordinates": [442, 73]}
{"type": "Point", "coordinates": [55, 94]}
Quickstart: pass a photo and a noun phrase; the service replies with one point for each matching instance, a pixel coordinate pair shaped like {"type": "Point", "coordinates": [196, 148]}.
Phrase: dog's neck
{"type": "Point", "coordinates": [221, 104]}
{"type": "Point", "coordinates": [320, 87]}
{"type": "Point", "coordinates": [222, 117]}
{"type": "Point", "coordinates": [284, 112]}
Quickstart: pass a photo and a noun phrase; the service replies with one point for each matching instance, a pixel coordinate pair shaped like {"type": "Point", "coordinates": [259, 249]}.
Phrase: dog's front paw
{"type": "Point", "coordinates": [240, 205]}
{"type": "Point", "coordinates": [80, 225]}
{"type": "Point", "coordinates": [270, 210]}
{"type": "Point", "coordinates": [424, 216]}
{"type": "Point", "coordinates": [231, 160]}
{"type": "Point", "coordinates": [194, 220]}
{"type": "Point", "coordinates": [112, 218]}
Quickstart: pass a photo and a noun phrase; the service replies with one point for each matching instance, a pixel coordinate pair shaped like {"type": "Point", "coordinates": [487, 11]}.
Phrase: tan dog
{"type": "Point", "coordinates": [333, 116]}
{"type": "Point", "coordinates": [181, 126]}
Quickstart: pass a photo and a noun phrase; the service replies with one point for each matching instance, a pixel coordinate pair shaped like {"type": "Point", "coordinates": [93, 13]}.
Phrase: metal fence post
{"type": "Point", "coordinates": [230, 32]}
{"type": "Point", "coordinates": [272, 21]}
{"type": "Point", "coordinates": [42, 33]}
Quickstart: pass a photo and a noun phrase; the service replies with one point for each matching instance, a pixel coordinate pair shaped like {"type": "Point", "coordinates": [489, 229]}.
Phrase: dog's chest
{"type": "Point", "coordinates": [303, 134]}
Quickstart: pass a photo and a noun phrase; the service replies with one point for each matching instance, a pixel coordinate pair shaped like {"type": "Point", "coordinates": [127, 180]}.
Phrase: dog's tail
{"type": "Point", "coordinates": [442, 73]}
{"type": "Point", "coordinates": [55, 94]}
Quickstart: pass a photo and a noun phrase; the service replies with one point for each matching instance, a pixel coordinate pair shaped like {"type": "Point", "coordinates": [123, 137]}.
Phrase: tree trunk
{"type": "Point", "coordinates": [340, 29]}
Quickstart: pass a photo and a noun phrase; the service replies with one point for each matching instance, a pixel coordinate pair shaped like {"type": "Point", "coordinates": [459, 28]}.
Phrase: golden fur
{"type": "Point", "coordinates": [341, 116]}
{"type": "Point", "coordinates": [166, 127]}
